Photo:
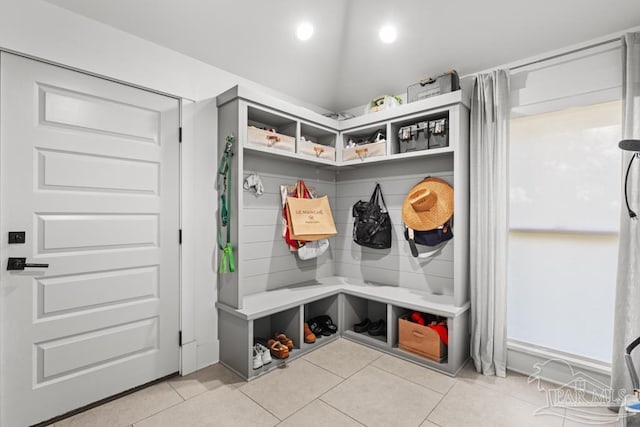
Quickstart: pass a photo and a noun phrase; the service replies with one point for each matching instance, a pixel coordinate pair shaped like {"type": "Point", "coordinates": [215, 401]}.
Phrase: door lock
{"type": "Point", "coordinates": [16, 237]}
{"type": "Point", "coordinates": [21, 263]}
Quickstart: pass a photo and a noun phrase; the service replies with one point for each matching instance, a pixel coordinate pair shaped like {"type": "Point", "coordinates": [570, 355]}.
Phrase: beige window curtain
{"type": "Point", "coordinates": [489, 180]}
{"type": "Point", "coordinates": [627, 312]}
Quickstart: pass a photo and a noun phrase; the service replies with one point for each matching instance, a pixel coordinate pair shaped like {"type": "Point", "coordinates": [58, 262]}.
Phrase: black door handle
{"type": "Point", "coordinates": [21, 264]}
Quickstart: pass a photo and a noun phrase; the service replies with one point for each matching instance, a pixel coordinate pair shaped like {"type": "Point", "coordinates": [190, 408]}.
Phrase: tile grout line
{"type": "Point", "coordinates": [436, 405]}
{"type": "Point", "coordinates": [278, 418]}
{"type": "Point", "coordinates": [254, 401]}
{"type": "Point", "coordinates": [162, 410]}
{"type": "Point", "coordinates": [343, 413]}
{"type": "Point", "coordinates": [408, 380]}
{"type": "Point", "coordinates": [488, 387]}
{"type": "Point", "coordinates": [505, 393]}
{"type": "Point", "coordinates": [340, 376]}
{"type": "Point", "coordinates": [343, 380]}
{"type": "Point", "coordinates": [181, 396]}
{"type": "Point", "coordinates": [322, 401]}
{"type": "Point", "coordinates": [413, 382]}
{"type": "Point", "coordinates": [159, 412]}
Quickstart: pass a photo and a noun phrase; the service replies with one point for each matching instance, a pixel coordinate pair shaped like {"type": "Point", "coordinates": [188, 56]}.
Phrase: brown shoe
{"type": "Point", "coordinates": [278, 350]}
{"type": "Point", "coordinates": [284, 340]}
{"type": "Point", "coordinates": [309, 337]}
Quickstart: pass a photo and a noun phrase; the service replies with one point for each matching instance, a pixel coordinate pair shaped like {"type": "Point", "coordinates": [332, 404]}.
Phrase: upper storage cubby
{"type": "Point", "coordinates": [317, 142]}
{"type": "Point", "coordinates": [270, 131]}
{"type": "Point", "coordinates": [364, 143]}
{"type": "Point", "coordinates": [268, 126]}
{"type": "Point", "coordinates": [420, 134]}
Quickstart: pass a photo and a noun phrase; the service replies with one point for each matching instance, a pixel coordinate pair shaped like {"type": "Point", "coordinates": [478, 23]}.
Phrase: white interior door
{"type": "Point", "coordinates": [89, 171]}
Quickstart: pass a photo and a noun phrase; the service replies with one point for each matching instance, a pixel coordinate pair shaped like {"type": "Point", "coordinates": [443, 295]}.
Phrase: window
{"type": "Point", "coordinates": [564, 215]}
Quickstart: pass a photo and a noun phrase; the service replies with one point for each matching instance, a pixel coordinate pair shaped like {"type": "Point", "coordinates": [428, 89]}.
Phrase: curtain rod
{"type": "Point", "coordinates": [560, 55]}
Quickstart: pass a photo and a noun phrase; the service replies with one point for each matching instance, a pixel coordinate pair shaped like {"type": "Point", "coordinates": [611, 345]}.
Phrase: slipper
{"type": "Point", "coordinates": [284, 340]}
{"type": "Point", "coordinates": [317, 328]}
{"type": "Point", "coordinates": [278, 350]}
{"type": "Point", "coordinates": [326, 323]}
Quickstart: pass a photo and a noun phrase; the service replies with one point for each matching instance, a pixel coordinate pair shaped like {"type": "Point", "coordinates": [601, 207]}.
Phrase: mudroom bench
{"type": "Point", "coordinates": [348, 301]}
{"type": "Point", "coordinates": [273, 290]}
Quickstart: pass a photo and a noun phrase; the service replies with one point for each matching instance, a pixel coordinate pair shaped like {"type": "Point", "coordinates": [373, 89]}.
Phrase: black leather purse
{"type": "Point", "coordinates": [372, 224]}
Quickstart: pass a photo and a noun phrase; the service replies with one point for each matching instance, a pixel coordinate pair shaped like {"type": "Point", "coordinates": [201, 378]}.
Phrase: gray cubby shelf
{"type": "Point", "coordinates": [347, 301]}
{"type": "Point", "coordinates": [273, 289]}
{"type": "Point", "coordinates": [356, 309]}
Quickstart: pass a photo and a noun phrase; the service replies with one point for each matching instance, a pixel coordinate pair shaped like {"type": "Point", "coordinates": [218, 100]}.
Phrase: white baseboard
{"type": "Point", "coordinates": [208, 353]}
{"type": "Point", "coordinates": [554, 366]}
{"type": "Point", "coordinates": [188, 359]}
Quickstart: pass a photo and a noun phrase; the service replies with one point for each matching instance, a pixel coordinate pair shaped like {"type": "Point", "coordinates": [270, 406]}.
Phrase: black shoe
{"type": "Point", "coordinates": [317, 329]}
{"type": "Point", "coordinates": [326, 323]}
{"type": "Point", "coordinates": [378, 328]}
{"type": "Point", "coordinates": [362, 326]}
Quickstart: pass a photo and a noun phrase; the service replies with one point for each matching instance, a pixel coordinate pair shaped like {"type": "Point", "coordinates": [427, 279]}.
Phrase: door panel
{"type": "Point", "coordinates": [61, 107]}
{"type": "Point", "coordinates": [79, 292]}
{"type": "Point", "coordinates": [89, 170]}
{"type": "Point", "coordinates": [78, 172]}
{"type": "Point", "coordinates": [79, 232]}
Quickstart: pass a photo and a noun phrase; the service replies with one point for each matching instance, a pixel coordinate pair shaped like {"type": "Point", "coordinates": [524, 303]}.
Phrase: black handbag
{"type": "Point", "coordinates": [372, 224]}
{"type": "Point", "coordinates": [427, 238]}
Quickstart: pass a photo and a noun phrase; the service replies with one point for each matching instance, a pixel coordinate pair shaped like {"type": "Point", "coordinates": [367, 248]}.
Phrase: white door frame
{"type": "Point", "coordinates": [188, 354]}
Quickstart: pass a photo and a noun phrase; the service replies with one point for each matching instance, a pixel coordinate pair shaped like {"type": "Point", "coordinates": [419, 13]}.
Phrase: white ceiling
{"type": "Point", "coordinates": [345, 64]}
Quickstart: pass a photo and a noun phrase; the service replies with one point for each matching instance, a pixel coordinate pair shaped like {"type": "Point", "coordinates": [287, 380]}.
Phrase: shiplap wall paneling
{"type": "Point", "coordinates": [266, 261]}
{"type": "Point", "coordinates": [394, 266]}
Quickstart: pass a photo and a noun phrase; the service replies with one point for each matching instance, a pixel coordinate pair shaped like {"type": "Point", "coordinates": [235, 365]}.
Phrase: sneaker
{"type": "Point", "coordinates": [264, 353]}
{"type": "Point", "coordinates": [257, 358]}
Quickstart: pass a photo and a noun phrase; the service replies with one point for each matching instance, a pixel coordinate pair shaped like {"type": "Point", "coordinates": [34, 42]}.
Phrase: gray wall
{"type": "Point", "coordinates": [394, 266]}
{"type": "Point", "coordinates": [266, 261]}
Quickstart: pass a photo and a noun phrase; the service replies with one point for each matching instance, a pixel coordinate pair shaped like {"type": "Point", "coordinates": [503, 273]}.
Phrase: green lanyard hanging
{"type": "Point", "coordinates": [227, 264]}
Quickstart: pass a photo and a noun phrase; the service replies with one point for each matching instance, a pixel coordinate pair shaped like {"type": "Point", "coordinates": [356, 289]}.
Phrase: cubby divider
{"type": "Point", "coordinates": [328, 306]}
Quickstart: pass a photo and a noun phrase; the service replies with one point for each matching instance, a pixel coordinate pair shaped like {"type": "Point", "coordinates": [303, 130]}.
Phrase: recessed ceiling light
{"type": "Point", "coordinates": [304, 31]}
{"type": "Point", "coordinates": [388, 34]}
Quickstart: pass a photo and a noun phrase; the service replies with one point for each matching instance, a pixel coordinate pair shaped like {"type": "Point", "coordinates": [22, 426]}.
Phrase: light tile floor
{"type": "Point", "coordinates": [340, 384]}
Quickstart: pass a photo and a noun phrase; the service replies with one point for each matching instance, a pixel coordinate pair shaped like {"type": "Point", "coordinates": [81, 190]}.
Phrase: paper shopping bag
{"type": "Point", "coordinates": [310, 219]}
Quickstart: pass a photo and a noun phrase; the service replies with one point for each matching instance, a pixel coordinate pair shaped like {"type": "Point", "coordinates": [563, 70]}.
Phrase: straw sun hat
{"type": "Point", "coordinates": [428, 205]}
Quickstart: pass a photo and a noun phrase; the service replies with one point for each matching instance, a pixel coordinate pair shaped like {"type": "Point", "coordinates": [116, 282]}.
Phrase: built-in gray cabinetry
{"type": "Point", "coordinates": [273, 290]}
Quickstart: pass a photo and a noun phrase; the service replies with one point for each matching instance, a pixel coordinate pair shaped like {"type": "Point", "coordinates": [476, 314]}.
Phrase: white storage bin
{"type": "Point", "coordinates": [319, 151]}
{"type": "Point", "coordinates": [264, 138]}
{"type": "Point", "coordinates": [365, 151]}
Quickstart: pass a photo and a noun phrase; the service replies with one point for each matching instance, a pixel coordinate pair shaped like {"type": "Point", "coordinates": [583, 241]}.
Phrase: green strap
{"type": "Point", "coordinates": [227, 262]}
